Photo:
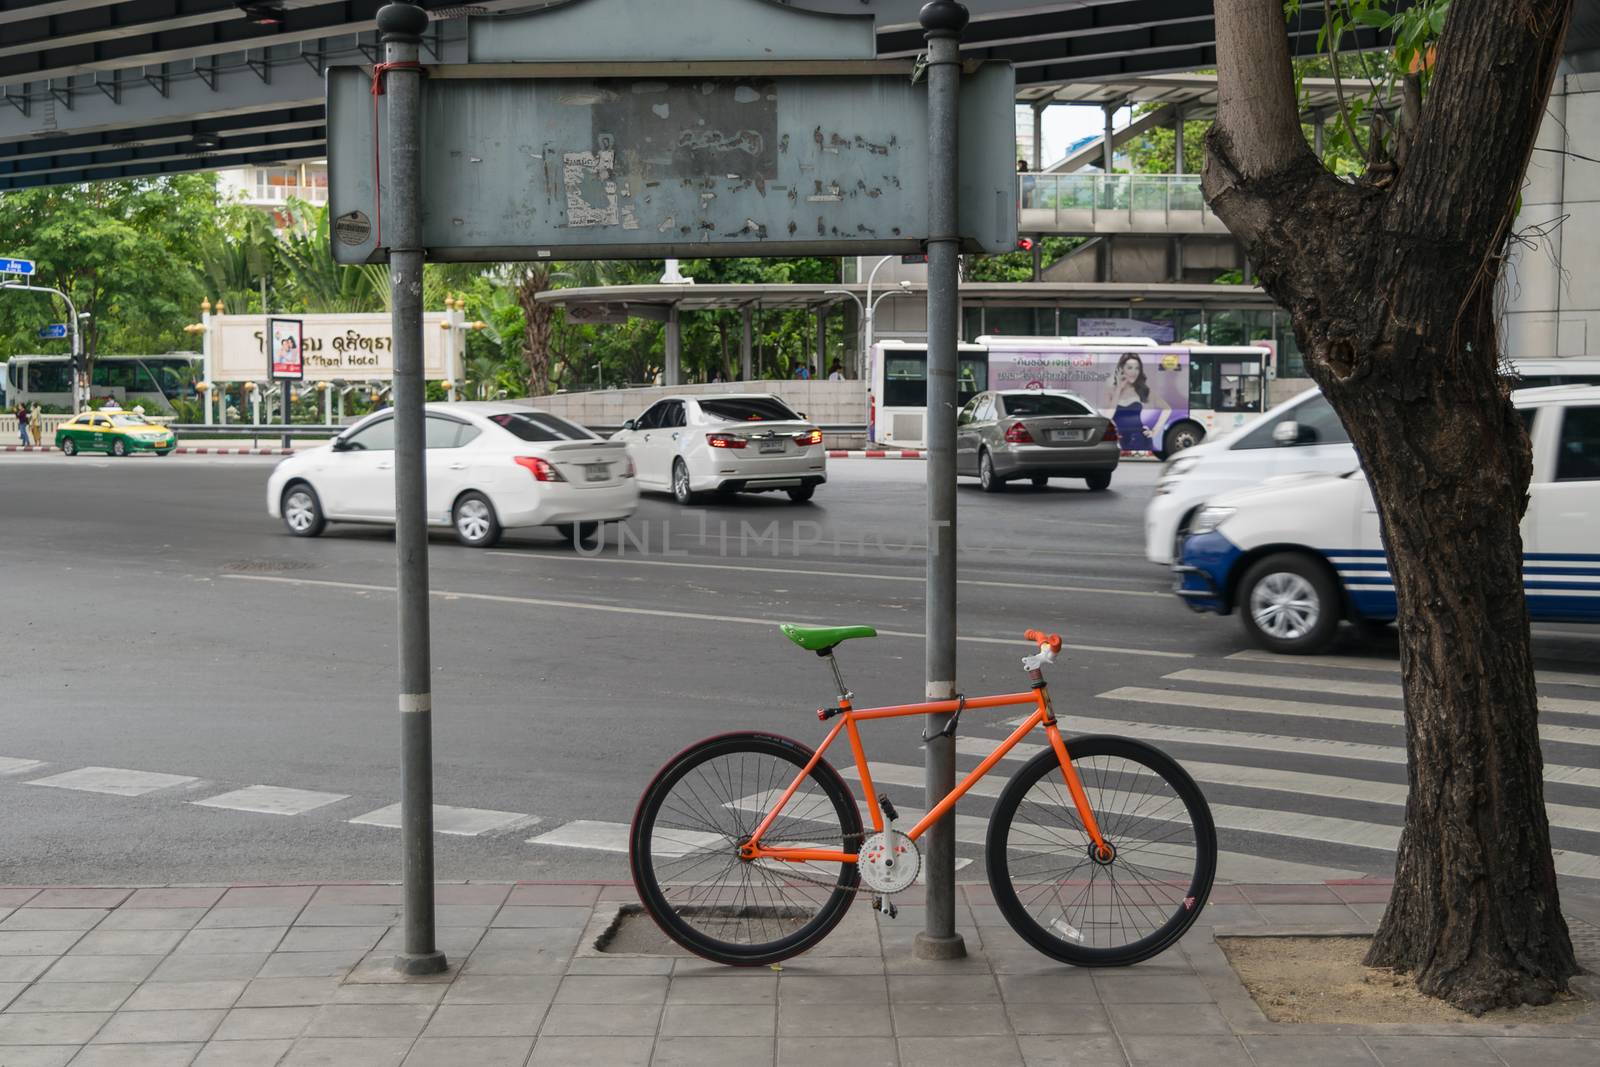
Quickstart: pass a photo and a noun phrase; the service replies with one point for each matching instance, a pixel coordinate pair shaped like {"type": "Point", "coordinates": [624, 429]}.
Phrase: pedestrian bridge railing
{"type": "Point", "coordinates": [1091, 204]}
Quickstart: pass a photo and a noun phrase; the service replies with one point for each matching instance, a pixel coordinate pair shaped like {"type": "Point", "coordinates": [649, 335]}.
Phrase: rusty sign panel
{"type": "Point", "coordinates": [639, 166]}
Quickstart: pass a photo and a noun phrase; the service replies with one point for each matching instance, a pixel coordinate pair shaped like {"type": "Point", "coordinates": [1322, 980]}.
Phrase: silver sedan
{"type": "Point", "coordinates": [1037, 434]}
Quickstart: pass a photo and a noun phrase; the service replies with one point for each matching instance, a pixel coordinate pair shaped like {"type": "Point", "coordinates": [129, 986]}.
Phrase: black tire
{"type": "Point", "coordinates": [988, 480]}
{"type": "Point", "coordinates": [680, 484]}
{"type": "Point", "coordinates": [474, 521]}
{"type": "Point", "coordinates": [307, 519]}
{"type": "Point", "coordinates": [1099, 483]}
{"type": "Point", "coordinates": [579, 534]}
{"type": "Point", "coordinates": [162, 451]}
{"type": "Point", "coordinates": [1305, 599]}
{"type": "Point", "coordinates": [69, 447]}
{"type": "Point", "coordinates": [119, 448]}
{"type": "Point", "coordinates": [674, 804]}
{"type": "Point", "coordinates": [1039, 481]}
{"type": "Point", "coordinates": [803, 493]}
{"type": "Point", "coordinates": [1164, 899]}
{"type": "Point", "coordinates": [1181, 435]}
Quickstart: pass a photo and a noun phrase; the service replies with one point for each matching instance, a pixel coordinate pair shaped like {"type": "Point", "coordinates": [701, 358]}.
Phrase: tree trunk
{"type": "Point", "coordinates": [537, 328]}
{"type": "Point", "coordinates": [1390, 282]}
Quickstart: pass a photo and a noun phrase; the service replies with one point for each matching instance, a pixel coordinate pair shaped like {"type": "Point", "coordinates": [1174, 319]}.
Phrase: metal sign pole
{"type": "Point", "coordinates": [401, 26]}
{"type": "Point", "coordinates": [942, 22]}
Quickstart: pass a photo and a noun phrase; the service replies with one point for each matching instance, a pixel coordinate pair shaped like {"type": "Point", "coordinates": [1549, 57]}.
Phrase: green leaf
{"type": "Point", "coordinates": [1376, 17]}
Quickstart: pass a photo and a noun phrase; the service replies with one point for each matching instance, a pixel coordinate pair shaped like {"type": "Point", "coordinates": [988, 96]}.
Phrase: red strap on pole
{"type": "Point", "coordinates": [378, 71]}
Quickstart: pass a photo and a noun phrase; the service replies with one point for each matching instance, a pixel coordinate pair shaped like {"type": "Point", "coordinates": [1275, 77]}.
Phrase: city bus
{"type": "Point", "coordinates": [151, 382]}
{"type": "Point", "coordinates": [1174, 395]}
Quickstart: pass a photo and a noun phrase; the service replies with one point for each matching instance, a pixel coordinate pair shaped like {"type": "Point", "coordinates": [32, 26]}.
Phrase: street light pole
{"type": "Point", "coordinates": [77, 338]}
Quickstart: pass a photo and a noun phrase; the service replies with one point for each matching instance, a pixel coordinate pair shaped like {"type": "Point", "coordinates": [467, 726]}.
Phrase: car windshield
{"type": "Point", "coordinates": [1044, 404]}
{"type": "Point", "coordinates": [127, 420]}
{"type": "Point", "coordinates": [748, 409]}
{"type": "Point", "coordinates": [541, 426]}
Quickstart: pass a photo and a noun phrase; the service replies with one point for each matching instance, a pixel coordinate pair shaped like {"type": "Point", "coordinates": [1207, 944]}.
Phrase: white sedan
{"type": "Point", "coordinates": [491, 467]}
{"type": "Point", "coordinates": [729, 443]}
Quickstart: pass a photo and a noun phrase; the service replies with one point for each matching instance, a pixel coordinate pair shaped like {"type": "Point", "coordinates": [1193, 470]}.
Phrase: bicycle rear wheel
{"type": "Point", "coordinates": [684, 849]}
{"type": "Point", "coordinates": [1079, 908]}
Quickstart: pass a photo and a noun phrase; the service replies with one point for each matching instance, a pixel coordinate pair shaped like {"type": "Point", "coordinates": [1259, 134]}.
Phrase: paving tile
{"type": "Point", "coordinates": [485, 1020]}
{"type": "Point", "coordinates": [602, 1020]}
{"type": "Point", "coordinates": [1102, 1050]}
{"type": "Point", "coordinates": [478, 916]}
{"type": "Point", "coordinates": [490, 894]}
{"type": "Point", "coordinates": [1189, 1051]}
{"type": "Point", "coordinates": [153, 919]}
{"type": "Point", "coordinates": [248, 939]}
{"type": "Point", "coordinates": [37, 942]}
{"type": "Point", "coordinates": [288, 992]}
{"type": "Point", "coordinates": [716, 1020]}
{"type": "Point", "coordinates": [558, 939]}
{"type": "Point", "coordinates": [1307, 914]}
{"type": "Point", "coordinates": [1231, 915]}
{"type": "Point", "coordinates": [950, 1019]}
{"type": "Point", "coordinates": [36, 1055]}
{"type": "Point", "coordinates": [480, 1052]}
{"type": "Point", "coordinates": [1363, 892]}
{"type": "Point", "coordinates": [127, 942]}
{"type": "Point", "coordinates": [162, 996]}
{"type": "Point", "coordinates": [714, 1052]}
{"type": "Point", "coordinates": [542, 915]}
{"type": "Point", "coordinates": [507, 989]}
{"type": "Point", "coordinates": [1152, 989]}
{"type": "Point", "coordinates": [456, 942]}
{"type": "Point", "coordinates": [331, 938]}
{"type": "Point", "coordinates": [369, 1020]}
{"type": "Point", "coordinates": [1546, 1052]}
{"type": "Point", "coordinates": [101, 969]}
{"type": "Point", "coordinates": [9, 992]}
{"type": "Point", "coordinates": [16, 898]}
{"type": "Point", "coordinates": [1056, 986]}
{"type": "Point", "coordinates": [225, 917]}
{"type": "Point", "coordinates": [379, 969]}
{"type": "Point", "coordinates": [79, 919]}
{"type": "Point", "coordinates": [1288, 894]}
{"type": "Point", "coordinates": [252, 1024]}
{"type": "Point", "coordinates": [175, 897]}
{"type": "Point", "coordinates": [357, 894]}
{"type": "Point", "coordinates": [399, 993]}
{"type": "Point", "coordinates": [625, 965]}
{"type": "Point", "coordinates": [857, 1051]}
{"type": "Point", "coordinates": [24, 968]}
{"type": "Point", "coordinates": [1292, 1051]}
{"type": "Point", "coordinates": [1063, 1017]}
{"type": "Point", "coordinates": [846, 989]}
{"type": "Point", "coordinates": [1166, 1019]}
{"type": "Point", "coordinates": [1456, 1051]}
{"type": "Point", "coordinates": [271, 800]}
{"type": "Point", "coordinates": [50, 1028]}
{"type": "Point", "coordinates": [242, 1053]}
{"type": "Point", "coordinates": [74, 996]}
{"type": "Point", "coordinates": [164, 1055]}
{"type": "Point", "coordinates": [635, 989]}
{"type": "Point", "coordinates": [943, 988]}
{"type": "Point", "coordinates": [79, 898]}
{"type": "Point", "coordinates": [591, 1052]}
{"type": "Point", "coordinates": [960, 1051]}
{"type": "Point", "coordinates": [349, 915]}
{"type": "Point", "coordinates": [506, 963]}
{"type": "Point", "coordinates": [267, 896]}
{"type": "Point", "coordinates": [742, 988]}
{"type": "Point", "coordinates": [143, 1027]}
{"type": "Point", "coordinates": [203, 967]}
{"type": "Point", "coordinates": [347, 1052]}
{"type": "Point", "coordinates": [576, 894]}
{"type": "Point", "coordinates": [309, 964]}
{"type": "Point", "coordinates": [803, 1019]}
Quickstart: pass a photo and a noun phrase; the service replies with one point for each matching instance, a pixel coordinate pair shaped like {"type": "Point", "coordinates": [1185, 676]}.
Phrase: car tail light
{"type": "Point", "coordinates": [1111, 433]}
{"type": "Point", "coordinates": [724, 440]}
{"type": "Point", "coordinates": [810, 437]}
{"type": "Point", "coordinates": [540, 469]}
{"type": "Point", "coordinates": [629, 471]}
{"type": "Point", "coordinates": [1018, 434]}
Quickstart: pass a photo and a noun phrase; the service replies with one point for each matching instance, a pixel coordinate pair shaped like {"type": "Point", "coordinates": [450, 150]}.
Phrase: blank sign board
{"type": "Point", "coordinates": [532, 166]}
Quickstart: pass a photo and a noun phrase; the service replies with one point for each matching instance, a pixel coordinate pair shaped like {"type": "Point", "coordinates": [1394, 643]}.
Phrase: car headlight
{"type": "Point", "coordinates": [1178, 466]}
{"type": "Point", "coordinates": [1209, 519]}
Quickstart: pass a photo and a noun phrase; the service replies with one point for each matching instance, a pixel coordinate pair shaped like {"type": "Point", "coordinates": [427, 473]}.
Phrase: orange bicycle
{"type": "Point", "coordinates": [748, 848]}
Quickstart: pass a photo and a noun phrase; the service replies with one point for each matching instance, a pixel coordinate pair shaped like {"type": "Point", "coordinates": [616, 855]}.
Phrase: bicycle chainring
{"type": "Point", "coordinates": [889, 862]}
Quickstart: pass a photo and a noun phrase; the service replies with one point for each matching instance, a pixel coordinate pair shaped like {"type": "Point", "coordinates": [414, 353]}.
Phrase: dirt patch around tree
{"type": "Point", "coordinates": [1322, 980]}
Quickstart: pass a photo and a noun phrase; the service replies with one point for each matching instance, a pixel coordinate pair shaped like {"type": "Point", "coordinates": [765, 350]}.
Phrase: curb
{"type": "Point", "coordinates": [180, 450]}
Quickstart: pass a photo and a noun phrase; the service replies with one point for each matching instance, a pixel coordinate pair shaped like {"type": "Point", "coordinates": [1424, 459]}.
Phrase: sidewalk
{"type": "Point", "coordinates": [296, 975]}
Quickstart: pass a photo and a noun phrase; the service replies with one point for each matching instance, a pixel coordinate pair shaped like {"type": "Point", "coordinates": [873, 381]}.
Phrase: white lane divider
{"type": "Point", "coordinates": [14, 765]}
{"type": "Point", "coordinates": [462, 822]}
{"type": "Point", "coordinates": [1374, 663]}
{"type": "Point", "coordinates": [272, 800]}
{"type": "Point", "coordinates": [113, 780]}
{"type": "Point", "coordinates": [1290, 683]}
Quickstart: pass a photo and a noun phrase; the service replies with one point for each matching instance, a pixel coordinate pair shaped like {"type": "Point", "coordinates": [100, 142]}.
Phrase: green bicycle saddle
{"type": "Point", "coordinates": [822, 638]}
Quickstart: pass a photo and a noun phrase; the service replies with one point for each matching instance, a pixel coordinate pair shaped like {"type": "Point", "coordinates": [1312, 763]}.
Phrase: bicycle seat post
{"type": "Point", "coordinates": [844, 693]}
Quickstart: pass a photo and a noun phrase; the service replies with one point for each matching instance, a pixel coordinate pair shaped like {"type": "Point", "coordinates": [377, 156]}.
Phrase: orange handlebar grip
{"type": "Point", "coordinates": [1053, 640]}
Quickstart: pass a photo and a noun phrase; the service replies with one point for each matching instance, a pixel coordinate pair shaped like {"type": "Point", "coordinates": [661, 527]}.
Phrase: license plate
{"type": "Point", "coordinates": [596, 472]}
{"type": "Point", "coordinates": [1066, 435]}
{"type": "Point", "coordinates": [772, 446]}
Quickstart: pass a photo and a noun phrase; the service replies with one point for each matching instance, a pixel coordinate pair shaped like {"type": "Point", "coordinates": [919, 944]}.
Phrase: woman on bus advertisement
{"type": "Point", "coordinates": [1140, 392]}
{"type": "Point", "coordinates": [1131, 403]}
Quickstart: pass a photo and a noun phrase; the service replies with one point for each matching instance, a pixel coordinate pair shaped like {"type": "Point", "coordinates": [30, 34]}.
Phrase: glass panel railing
{"type": "Point", "coordinates": [1110, 192]}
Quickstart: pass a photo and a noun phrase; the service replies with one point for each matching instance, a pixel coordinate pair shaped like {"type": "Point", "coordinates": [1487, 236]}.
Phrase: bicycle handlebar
{"type": "Point", "coordinates": [1044, 640]}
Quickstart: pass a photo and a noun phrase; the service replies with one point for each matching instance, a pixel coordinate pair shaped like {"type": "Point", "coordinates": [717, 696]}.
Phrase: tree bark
{"type": "Point", "coordinates": [537, 326]}
{"type": "Point", "coordinates": [1390, 281]}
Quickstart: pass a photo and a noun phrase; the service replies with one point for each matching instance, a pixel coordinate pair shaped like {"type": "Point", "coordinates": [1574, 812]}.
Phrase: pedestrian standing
{"type": "Point", "coordinates": [38, 423]}
{"type": "Point", "coordinates": [21, 412]}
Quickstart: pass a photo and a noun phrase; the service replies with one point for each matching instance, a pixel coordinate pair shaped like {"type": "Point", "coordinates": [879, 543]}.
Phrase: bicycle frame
{"type": "Point", "coordinates": [849, 717]}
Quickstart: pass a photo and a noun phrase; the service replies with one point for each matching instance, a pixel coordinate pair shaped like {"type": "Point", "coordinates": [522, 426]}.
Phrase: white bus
{"type": "Point", "coordinates": [1162, 398]}
{"type": "Point", "coordinates": [1533, 373]}
{"type": "Point", "coordinates": [152, 382]}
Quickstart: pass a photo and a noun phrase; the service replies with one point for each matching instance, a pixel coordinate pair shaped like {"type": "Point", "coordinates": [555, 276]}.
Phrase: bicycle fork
{"type": "Point", "coordinates": [1104, 852]}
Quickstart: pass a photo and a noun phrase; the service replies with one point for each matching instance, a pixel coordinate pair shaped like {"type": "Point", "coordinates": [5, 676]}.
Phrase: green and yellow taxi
{"type": "Point", "coordinates": [119, 433]}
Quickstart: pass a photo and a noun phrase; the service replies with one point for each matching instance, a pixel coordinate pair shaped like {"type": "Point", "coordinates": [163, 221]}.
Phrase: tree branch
{"type": "Point", "coordinates": [1257, 114]}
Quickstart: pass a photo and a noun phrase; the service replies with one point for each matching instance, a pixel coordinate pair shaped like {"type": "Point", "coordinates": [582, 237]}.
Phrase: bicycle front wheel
{"type": "Point", "coordinates": [1083, 908]}
{"type": "Point", "coordinates": [684, 849]}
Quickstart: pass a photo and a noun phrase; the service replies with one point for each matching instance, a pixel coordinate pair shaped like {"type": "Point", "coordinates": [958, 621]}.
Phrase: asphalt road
{"type": "Point", "coordinates": [156, 620]}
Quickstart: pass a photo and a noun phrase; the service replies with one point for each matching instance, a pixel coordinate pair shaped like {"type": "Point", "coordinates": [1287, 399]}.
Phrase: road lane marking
{"type": "Point", "coordinates": [617, 609]}
{"type": "Point", "coordinates": [462, 822]}
{"type": "Point", "coordinates": [916, 579]}
{"type": "Point", "coordinates": [272, 800]}
{"type": "Point", "coordinates": [1350, 689]}
{"type": "Point", "coordinates": [15, 765]}
{"type": "Point", "coordinates": [1373, 663]}
{"type": "Point", "coordinates": [115, 781]}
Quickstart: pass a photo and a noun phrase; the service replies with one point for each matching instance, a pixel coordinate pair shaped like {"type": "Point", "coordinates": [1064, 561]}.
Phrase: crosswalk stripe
{"type": "Point", "coordinates": [116, 781]}
{"type": "Point", "coordinates": [272, 800]}
{"type": "Point", "coordinates": [15, 765]}
{"type": "Point", "coordinates": [460, 822]}
{"type": "Point", "coordinates": [1184, 698]}
{"type": "Point", "coordinates": [1349, 689]}
{"type": "Point", "coordinates": [1375, 663]}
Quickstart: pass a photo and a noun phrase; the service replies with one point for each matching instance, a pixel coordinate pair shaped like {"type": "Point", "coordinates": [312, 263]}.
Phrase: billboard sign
{"type": "Point", "coordinates": [1141, 390]}
{"type": "Point", "coordinates": [286, 350]}
{"type": "Point", "coordinates": [1160, 331]}
{"type": "Point", "coordinates": [356, 347]}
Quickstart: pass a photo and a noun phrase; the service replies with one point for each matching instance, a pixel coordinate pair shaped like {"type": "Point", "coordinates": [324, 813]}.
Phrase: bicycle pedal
{"type": "Point", "coordinates": [885, 905]}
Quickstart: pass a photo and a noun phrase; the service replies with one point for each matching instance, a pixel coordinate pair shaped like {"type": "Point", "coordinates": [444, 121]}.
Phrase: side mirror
{"type": "Point", "coordinates": [801, 414]}
{"type": "Point", "coordinates": [963, 417]}
{"type": "Point", "coordinates": [340, 445]}
{"type": "Point", "coordinates": [629, 425]}
{"type": "Point", "coordinates": [1286, 432]}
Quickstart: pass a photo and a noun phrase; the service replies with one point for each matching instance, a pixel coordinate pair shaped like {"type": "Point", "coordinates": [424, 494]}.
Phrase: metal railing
{"type": "Point", "coordinates": [1114, 203]}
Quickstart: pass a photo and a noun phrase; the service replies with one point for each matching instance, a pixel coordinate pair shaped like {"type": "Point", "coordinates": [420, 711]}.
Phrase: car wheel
{"type": "Point", "coordinates": [1039, 481]}
{"type": "Point", "coordinates": [1288, 603]}
{"type": "Point", "coordinates": [69, 447]}
{"type": "Point", "coordinates": [680, 483]}
{"type": "Point", "coordinates": [580, 534]}
{"type": "Point", "coordinates": [1184, 435]}
{"type": "Point", "coordinates": [474, 520]}
{"type": "Point", "coordinates": [119, 448]}
{"type": "Point", "coordinates": [163, 451]}
{"type": "Point", "coordinates": [987, 478]}
{"type": "Point", "coordinates": [800, 494]}
{"type": "Point", "coordinates": [1099, 482]}
{"type": "Point", "coordinates": [302, 510]}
